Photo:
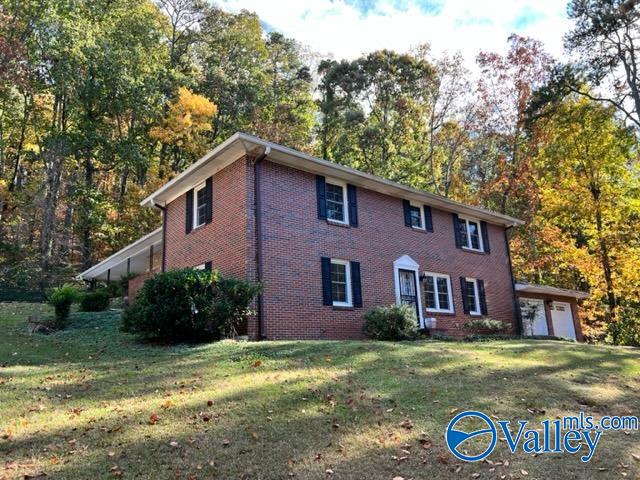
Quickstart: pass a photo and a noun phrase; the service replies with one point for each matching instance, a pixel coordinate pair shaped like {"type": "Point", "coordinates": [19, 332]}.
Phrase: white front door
{"type": "Point", "coordinates": [562, 320]}
{"type": "Point", "coordinates": [534, 321]}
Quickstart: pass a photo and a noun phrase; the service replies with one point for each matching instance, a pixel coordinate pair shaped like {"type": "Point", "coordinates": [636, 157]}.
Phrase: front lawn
{"type": "Point", "coordinates": [91, 402]}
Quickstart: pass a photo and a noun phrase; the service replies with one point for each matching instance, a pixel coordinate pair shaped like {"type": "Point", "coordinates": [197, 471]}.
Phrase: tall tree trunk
{"type": "Point", "coordinates": [53, 161]}
{"type": "Point", "coordinates": [605, 260]}
{"type": "Point", "coordinates": [23, 128]}
{"type": "Point", "coordinates": [87, 243]}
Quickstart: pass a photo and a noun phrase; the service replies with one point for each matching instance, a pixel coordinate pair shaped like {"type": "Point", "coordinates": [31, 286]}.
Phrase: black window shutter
{"type": "Point", "coordinates": [352, 198]}
{"type": "Point", "coordinates": [356, 286]}
{"type": "Point", "coordinates": [189, 212]}
{"type": "Point", "coordinates": [321, 193]}
{"type": "Point", "coordinates": [327, 298]}
{"type": "Point", "coordinates": [485, 236]}
{"type": "Point", "coordinates": [428, 219]}
{"type": "Point", "coordinates": [463, 289]}
{"type": "Point", "coordinates": [208, 266]}
{"type": "Point", "coordinates": [456, 230]}
{"type": "Point", "coordinates": [483, 297]}
{"type": "Point", "coordinates": [208, 191]}
{"type": "Point", "coordinates": [407, 212]}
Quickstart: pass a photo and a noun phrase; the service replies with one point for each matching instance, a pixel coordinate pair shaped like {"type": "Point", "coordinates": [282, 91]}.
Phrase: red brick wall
{"type": "Point", "coordinates": [227, 240]}
{"type": "Point", "coordinates": [135, 284]}
{"type": "Point", "coordinates": [295, 240]}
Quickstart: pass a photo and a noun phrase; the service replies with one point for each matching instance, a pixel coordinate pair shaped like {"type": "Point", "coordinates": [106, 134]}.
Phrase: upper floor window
{"type": "Point", "coordinates": [437, 289]}
{"type": "Point", "coordinates": [417, 216]}
{"type": "Point", "coordinates": [200, 205]}
{"type": "Point", "coordinates": [336, 203]}
{"type": "Point", "coordinates": [470, 234]}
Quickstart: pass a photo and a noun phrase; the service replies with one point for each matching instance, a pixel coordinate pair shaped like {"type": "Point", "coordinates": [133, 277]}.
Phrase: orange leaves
{"type": "Point", "coordinates": [256, 364]}
{"type": "Point", "coordinates": [153, 419]}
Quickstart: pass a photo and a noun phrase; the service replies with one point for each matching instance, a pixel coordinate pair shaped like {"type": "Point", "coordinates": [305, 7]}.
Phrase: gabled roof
{"type": "Point", "coordinates": [547, 290]}
{"type": "Point", "coordinates": [240, 144]}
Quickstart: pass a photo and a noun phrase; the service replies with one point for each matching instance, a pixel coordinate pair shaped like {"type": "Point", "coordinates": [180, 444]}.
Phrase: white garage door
{"type": "Point", "coordinates": [562, 320]}
{"type": "Point", "coordinates": [533, 317]}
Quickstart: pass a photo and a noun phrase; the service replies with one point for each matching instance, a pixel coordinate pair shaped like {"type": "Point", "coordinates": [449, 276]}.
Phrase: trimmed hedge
{"type": "Point", "coordinates": [392, 322]}
{"type": "Point", "coordinates": [189, 306]}
{"type": "Point", "coordinates": [62, 298]}
{"type": "Point", "coordinates": [95, 301]}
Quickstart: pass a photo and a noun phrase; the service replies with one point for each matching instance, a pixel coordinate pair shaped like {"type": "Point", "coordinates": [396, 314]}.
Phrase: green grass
{"type": "Point", "coordinates": [77, 404]}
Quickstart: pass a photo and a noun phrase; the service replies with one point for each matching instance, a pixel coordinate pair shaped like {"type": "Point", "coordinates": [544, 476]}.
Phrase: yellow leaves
{"type": "Point", "coordinates": [189, 115]}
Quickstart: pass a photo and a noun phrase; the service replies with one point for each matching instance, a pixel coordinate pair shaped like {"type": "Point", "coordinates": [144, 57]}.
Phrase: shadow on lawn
{"type": "Point", "coordinates": [310, 407]}
{"type": "Point", "coordinates": [362, 446]}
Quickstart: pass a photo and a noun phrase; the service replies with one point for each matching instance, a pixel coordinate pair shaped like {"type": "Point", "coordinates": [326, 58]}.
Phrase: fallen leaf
{"type": "Point", "coordinates": [173, 443]}
{"type": "Point", "coordinates": [256, 364]}
{"type": "Point", "coordinates": [153, 419]}
{"type": "Point", "coordinates": [398, 478]}
{"type": "Point", "coordinates": [636, 457]}
{"type": "Point", "coordinates": [209, 403]}
{"type": "Point", "coordinates": [524, 472]}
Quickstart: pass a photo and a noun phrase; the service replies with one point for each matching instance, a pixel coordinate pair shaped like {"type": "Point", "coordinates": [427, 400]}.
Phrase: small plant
{"type": "Point", "coordinates": [485, 325]}
{"type": "Point", "coordinates": [62, 298]}
{"type": "Point", "coordinates": [626, 329]}
{"type": "Point", "coordinates": [95, 301]}
{"type": "Point", "coordinates": [393, 322]}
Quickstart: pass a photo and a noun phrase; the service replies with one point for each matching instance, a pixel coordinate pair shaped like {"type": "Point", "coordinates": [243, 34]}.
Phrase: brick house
{"type": "Point", "coordinates": [327, 241]}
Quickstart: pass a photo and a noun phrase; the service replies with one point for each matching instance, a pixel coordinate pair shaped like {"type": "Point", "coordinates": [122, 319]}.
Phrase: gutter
{"type": "Point", "coordinates": [516, 307]}
{"type": "Point", "coordinates": [257, 199]}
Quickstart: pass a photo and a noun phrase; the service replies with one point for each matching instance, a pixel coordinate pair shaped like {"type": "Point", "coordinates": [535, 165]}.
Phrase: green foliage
{"type": "Point", "coordinates": [626, 329]}
{"type": "Point", "coordinates": [62, 298]}
{"type": "Point", "coordinates": [485, 325]}
{"type": "Point", "coordinates": [189, 305]}
{"type": "Point", "coordinates": [95, 301]}
{"type": "Point", "coordinates": [392, 322]}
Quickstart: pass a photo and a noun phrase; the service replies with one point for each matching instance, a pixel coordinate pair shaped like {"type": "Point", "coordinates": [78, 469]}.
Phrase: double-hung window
{"type": "Point", "coordinates": [473, 296]}
{"type": "Point", "coordinates": [437, 290]}
{"type": "Point", "coordinates": [200, 206]}
{"type": "Point", "coordinates": [340, 283]}
{"type": "Point", "coordinates": [470, 234]}
{"type": "Point", "coordinates": [337, 202]}
{"type": "Point", "coordinates": [416, 217]}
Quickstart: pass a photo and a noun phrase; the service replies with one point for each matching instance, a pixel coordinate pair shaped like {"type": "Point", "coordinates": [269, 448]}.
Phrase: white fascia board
{"type": "Point", "coordinates": [141, 245]}
{"type": "Point", "coordinates": [548, 290]}
{"type": "Point", "coordinates": [240, 144]}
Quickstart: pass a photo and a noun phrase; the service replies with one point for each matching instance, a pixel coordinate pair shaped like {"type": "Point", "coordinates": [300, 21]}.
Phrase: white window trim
{"type": "Point", "coordinates": [466, 221]}
{"type": "Point", "coordinates": [476, 297]}
{"type": "Point", "coordinates": [405, 262]}
{"type": "Point", "coordinates": [348, 287]}
{"type": "Point", "coordinates": [449, 293]}
{"type": "Point", "coordinates": [199, 267]}
{"type": "Point", "coordinates": [422, 219]}
{"type": "Point", "coordinates": [345, 200]}
{"type": "Point", "coordinates": [195, 205]}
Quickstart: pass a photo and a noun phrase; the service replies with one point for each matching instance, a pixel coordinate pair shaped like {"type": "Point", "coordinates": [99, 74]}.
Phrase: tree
{"type": "Point", "coordinates": [589, 192]}
{"type": "Point", "coordinates": [188, 119]}
{"type": "Point", "coordinates": [605, 37]}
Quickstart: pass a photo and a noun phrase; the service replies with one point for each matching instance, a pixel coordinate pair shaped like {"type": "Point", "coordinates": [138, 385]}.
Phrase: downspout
{"type": "Point", "coordinates": [257, 200]}
{"type": "Point", "coordinates": [164, 235]}
{"type": "Point", "coordinates": [516, 307]}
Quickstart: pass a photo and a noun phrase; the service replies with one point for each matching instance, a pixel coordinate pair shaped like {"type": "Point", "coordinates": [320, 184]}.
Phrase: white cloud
{"type": "Point", "coordinates": [339, 29]}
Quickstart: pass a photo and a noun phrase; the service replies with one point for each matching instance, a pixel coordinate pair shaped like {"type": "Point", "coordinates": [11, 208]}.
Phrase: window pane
{"type": "Point", "coordinates": [443, 293]}
{"type": "Point", "coordinates": [464, 239]}
{"type": "Point", "coordinates": [416, 217]}
{"type": "Point", "coordinates": [335, 202]}
{"type": "Point", "coordinates": [471, 296]}
{"type": "Point", "coordinates": [200, 207]}
{"type": "Point", "coordinates": [429, 291]}
{"type": "Point", "coordinates": [339, 282]}
{"type": "Point", "coordinates": [474, 234]}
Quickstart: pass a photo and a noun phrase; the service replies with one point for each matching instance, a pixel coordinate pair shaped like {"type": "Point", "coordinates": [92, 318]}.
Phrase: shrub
{"type": "Point", "coordinates": [485, 325]}
{"type": "Point", "coordinates": [189, 305]}
{"type": "Point", "coordinates": [95, 301]}
{"type": "Point", "coordinates": [62, 298]}
{"type": "Point", "coordinates": [393, 322]}
{"type": "Point", "coordinates": [626, 329]}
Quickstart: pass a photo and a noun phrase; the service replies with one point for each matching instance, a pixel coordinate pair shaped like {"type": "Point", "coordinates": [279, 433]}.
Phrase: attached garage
{"type": "Point", "coordinates": [549, 311]}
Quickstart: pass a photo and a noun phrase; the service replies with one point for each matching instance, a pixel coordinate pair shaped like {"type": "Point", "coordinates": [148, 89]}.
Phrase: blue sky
{"type": "Point", "coordinates": [348, 28]}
